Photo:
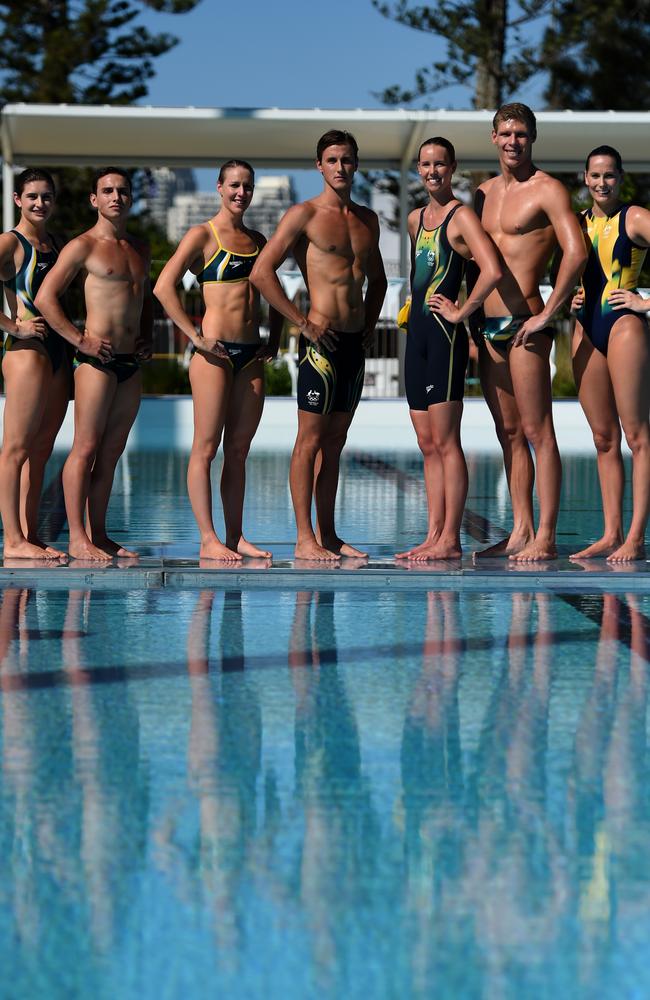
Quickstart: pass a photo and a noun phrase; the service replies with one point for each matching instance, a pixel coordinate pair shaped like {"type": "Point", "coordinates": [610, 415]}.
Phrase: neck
{"type": "Point", "coordinates": [106, 227]}
{"type": "Point", "coordinates": [515, 175]}
{"type": "Point", "coordinates": [31, 230]}
{"type": "Point", "coordinates": [226, 220]}
{"type": "Point", "coordinates": [441, 200]}
{"type": "Point", "coordinates": [338, 199]}
{"type": "Point", "coordinates": [606, 210]}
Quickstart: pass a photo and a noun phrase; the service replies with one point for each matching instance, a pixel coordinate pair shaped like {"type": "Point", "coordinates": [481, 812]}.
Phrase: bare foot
{"type": "Point", "coordinates": [446, 550]}
{"type": "Point", "coordinates": [508, 546]}
{"type": "Point", "coordinates": [112, 548]}
{"type": "Point", "coordinates": [246, 548]}
{"type": "Point", "coordinates": [428, 542]}
{"type": "Point", "coordinates": [84, 549]}
{"type": "Point", "coordinates": [314, 552]}
{"type": "Point", "coordinates": [27, 550]}
{"type": "Point", "coordinates": [214, 550]}
{"type": "Point", "coordinates": [341, 548]}
{"type": "Point", "coordinates": [537, 551]}
{"type": "Point", "coordinates": [52, 553]}
{"type": "Point", "coordinates": [628, 552]}
{"type": "Point", "coordinates": [603, 547]}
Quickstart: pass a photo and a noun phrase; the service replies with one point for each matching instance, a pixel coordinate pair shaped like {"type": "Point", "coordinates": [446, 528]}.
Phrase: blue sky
{"type": "Point", "coordinates": [291, 54]}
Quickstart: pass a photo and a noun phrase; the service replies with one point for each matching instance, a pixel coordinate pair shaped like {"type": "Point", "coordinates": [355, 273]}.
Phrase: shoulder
{"type": "Point", "coordinates": [550, 187]}
{"type": "Point", "coordinates": [637, 223]}
{"type": "Point", "coordinates": [9, 242]}
{"type": "Point", "coordinates": [257, 237]}
{"type": "Point", "coordinates": [367, 216]}
{"type": "Point", "coordinates": [489, 185]}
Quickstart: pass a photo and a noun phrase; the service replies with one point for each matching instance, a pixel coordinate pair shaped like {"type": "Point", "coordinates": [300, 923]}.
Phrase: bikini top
{"type": "Point", "coordinates": [29, 277]}
{"type": "Point", "coordinates": [226, 265]}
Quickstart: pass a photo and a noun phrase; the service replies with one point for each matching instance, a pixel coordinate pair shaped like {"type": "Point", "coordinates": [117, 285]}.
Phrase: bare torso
{"type": "Point", "coordinates": [514, 217]}
{"type": "Point", "coordinates": [115, 272]}
{"type": "Point", "coordinates": [333, 255]}
{"type": "Point", "coordinates": [231, 307]}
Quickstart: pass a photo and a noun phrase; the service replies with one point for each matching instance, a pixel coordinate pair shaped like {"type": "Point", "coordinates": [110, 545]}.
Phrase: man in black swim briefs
{"type": "Point", "coordinates": [527, 213]}
{"type": "Point", "coordinates": [336, 245]}
{"type": "Point", "coordinates": [116, 339]}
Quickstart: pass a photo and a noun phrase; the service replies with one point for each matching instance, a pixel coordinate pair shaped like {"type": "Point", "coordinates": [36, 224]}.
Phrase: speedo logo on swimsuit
{"type": "Point", "coordinates": [41, 266]}
{"type": "Point", "coordinates": [236, 263]}
{"type": "Point", "coordinates": [430, 387]}
{"type": "Point", "coordinates": [235, 350]}
{"type": "Point", "coordinates": [313, 397]}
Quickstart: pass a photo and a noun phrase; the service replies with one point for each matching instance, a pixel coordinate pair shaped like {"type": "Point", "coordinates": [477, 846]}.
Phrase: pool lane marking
{"type": "Point", "coordinates": [475, 525]}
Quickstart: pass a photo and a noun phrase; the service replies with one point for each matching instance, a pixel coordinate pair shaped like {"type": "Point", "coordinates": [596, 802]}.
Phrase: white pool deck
{"type": "Point", "coordinates": [379, 425]}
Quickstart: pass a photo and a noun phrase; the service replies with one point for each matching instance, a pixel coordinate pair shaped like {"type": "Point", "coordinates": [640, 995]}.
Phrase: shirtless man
{"type": "Point", "coordinates": [336, 245]}
{"type": "Point", "coordinates": [117, 337]}
{"type": "Point", "coordinates": [528, 214]}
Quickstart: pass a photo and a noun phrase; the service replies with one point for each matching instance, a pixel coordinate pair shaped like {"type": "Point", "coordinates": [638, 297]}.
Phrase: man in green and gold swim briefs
{"type": "Point", "coordinates": [528, 214]}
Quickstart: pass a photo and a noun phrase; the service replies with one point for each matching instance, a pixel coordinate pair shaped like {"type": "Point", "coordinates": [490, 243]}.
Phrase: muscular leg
{"type": "Point", "coordinates": [596, 396]}
{"type": "Point", "coordinates": [327, 482]}
{"type": "Point", "coordinates": [444, 419]}
{"type": "Point", "coordinates": [312, 428]}
{"type": "Point", "coordinates": [498, 390]}
{"type": "Point", "coordinates": [531, 379]}
{"type": "Point", "coordinates": [122, 413]}
{"type": "Point", "coordinates": [242, 419]}
{"type": "Point", "coordinates": [211, 382]}
{"type": "Point", "coordinates": [94, 392]}
{"type": "Point", "coordinates": [28, 375]}
{"type": "Point", "coordinates": [433, 482]}
{"type": "Point", "coordinates": [31, 482]}
{"type": "Point", "coordinates": [628, 358]}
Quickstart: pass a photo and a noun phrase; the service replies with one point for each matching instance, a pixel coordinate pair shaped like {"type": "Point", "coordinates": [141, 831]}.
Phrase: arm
{"type": "Point", "coordinates": [19, 328]}
{"type": "Point", "coordinates": [188, 253]}
{"type": "Point", "coordinates": [376, 288]}
{"type": "Point", "coordinates": [486, 263]}
{"type": "Point", "coordinates": [574, 257]}
{"type": "Point", "coordinates": [70, 262]}
{"type": "Point", "coordinates": [291, 228]}
{"type": "Point", "coordinates": [637, 223]}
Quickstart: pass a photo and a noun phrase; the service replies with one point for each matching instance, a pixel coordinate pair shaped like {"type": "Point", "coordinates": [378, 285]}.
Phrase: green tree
{"type": "Point", "coordinates": [80, 51]}
{"type": "Point", "coordinates": [486, 47]}
{"type": "Point", "coordinates": [597, 55]}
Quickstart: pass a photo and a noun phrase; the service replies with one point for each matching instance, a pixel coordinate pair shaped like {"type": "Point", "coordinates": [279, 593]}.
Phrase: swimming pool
{"type": "Point", "coordinates": [332, 784]}
{"type": "Point", "coordinates": [274, 793]}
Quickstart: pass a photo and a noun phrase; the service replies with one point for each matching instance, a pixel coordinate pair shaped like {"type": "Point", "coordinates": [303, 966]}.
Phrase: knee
{"type": "Point", "coordinates": [15, 452]}
{"type": "Point", "coordinates": [538, 433]}
{"type": "Point", "coordinates": [638, 437]}
{"type": "Point", "coordinates": [334, 443]}
{"type": "Point", "coordinates": [607, 440]}
{"type": "Point", "coordinates": [511, 435]}
{"type": "Point", "coordinates": [426, 443]}
{"type": "Point", "coordinates": [204, 451]}
{"type": "Point", "coordinates": [308, 444]}
{"type": "Point", "coordinates": [236, 450]}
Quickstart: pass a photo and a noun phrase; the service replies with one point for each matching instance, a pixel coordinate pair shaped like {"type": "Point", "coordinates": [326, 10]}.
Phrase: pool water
{"type": "Point", "coordinates": [334, 793]}
{"type": "Point", "coordinates": [340, 791]}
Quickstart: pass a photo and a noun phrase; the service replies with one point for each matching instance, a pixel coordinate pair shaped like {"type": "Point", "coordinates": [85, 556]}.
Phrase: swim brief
{"type": "Point", "coordinates": [501, 329]}
{"type": "Point", "coordinates": [123, 366]}
{"type": "Point", "coordinates": [239, 355]}
{"type": "Point", "coordinates": [53, 346]}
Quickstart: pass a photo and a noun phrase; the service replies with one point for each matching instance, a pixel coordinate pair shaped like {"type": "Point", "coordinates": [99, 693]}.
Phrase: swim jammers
{"type": "Point", "coordinates": [240, 355]}
{"type": "Point", "coordinates": [331, 381]}
{"type": "Point", "coordinates": [123, 366]}
{"type": "Point", "coordinates": [501, 329]}
{"type": "Point", "coordinates": [614, 262]}
{"type": "Point", "coordinates": [25, 284]}
{"type": "Point", "coordinates": [436, 350]}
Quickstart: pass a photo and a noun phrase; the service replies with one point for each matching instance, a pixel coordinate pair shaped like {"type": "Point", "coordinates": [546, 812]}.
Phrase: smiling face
{"type": "Point", "coordinates": [514, 143]}
{"type": "Point", "coordinates": [236, 189]}
{"type": "Point", "coordinates": [36, 202]}
{"type": "Point", "coordinates": [603, 180]}
{"type": "Point", "coordinates": [338, 165]}
{"type": "Point", "coordinates": [436, 169]}
{"type": "Point", "coordinates": [112, 198]}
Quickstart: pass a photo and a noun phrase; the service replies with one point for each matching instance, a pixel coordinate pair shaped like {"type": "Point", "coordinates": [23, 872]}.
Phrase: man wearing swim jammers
{"type": "Point", "coordinates": [336, 245]}
{"type": "Point", "coordinates": [119, 318]}
{"type": "Point", "coordinates": [527, 213]}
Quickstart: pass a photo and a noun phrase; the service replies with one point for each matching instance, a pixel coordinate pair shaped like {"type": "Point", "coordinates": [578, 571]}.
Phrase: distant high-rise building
{"type": "Point", "coordinates": [273, 196]}
{"type": "Point", "coordinates": [164, 184]}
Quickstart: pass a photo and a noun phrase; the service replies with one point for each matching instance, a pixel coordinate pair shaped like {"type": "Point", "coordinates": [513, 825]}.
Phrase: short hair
{"type": "Point", "coordinates": [336, 137]}
{"type": "Point", "coordinates": [520, 112]}
{"type": "Point", "coordinates": [103, 171]}
{"type": "Point", "coordinates": [606, 151]}
{"type": "Point", "coordinates": [235, 163]}
{"type": "Point", "coordinates": [33, 174]}
{"type": "Point", "coordinates": [438, 140]}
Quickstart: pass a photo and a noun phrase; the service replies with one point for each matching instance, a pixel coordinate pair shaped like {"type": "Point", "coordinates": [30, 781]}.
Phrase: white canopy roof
{"type": "Point", "coordinates": [273, 137]}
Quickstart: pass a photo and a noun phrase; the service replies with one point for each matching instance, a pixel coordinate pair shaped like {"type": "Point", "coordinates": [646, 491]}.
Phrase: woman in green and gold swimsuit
{"type": "Point", "coordinates": [36, 368]}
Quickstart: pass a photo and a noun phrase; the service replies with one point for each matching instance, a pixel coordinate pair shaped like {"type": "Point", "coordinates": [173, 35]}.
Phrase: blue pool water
{"type": "Point", "coordinates": [334, 792]}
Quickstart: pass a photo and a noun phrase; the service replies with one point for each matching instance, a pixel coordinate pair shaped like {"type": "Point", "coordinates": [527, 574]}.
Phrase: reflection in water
{"type": "Point", "coordinates": [467, 820]}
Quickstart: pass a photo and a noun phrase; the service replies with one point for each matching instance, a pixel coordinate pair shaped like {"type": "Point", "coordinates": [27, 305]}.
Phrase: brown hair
{"type": "Point", "coordinates": [439, 141]}
{"type": "Point", "coordinates": [606, 151]}
{"type": "Point", "coordinates": [336, 137]}
{"type": "Point", "coordinates": [234, 163]}
{"type": "Point", "coordinates": [521, 113]}
{"type": "Point", "coordinates": [105, 171]}
{"type": "Point", "coordinates": [33, 174]}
